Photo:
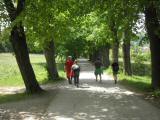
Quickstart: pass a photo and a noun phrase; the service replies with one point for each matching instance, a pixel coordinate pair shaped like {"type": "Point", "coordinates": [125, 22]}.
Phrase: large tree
{"type": "Point", "coordinates": [49, 52]}
{"type": "Point", "coordinates": [153, 27]}
{"type": "Point", "coordinates": [126, 52]}
{"type": "Point", "coordinates": [18, 40]}
{"type": "Point", "coordinates": [43, 29]}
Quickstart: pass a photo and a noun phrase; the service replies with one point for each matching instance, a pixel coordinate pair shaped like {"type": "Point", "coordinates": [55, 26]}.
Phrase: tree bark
{"type": "Point", "coordinates": [19, 44]}
{"type": "Point", "coordinates": [18, 41]}
{"type": "Point", "coordinates": [115, 45]}
{"type": "Point", "coordinates": [90, 57]}
{"type": "Point", "coordinates": [105, 56]}
{"type": "Point", "coordinates": [115, 51]}
{"type": "Point", "coordinates": [153, 26]}
{"type": "Point", "coordinates": [49, 52]}
{"type": "Point", "coordinates": [126, 54]}
{"type": "Point", "coordinates": [94, 55]}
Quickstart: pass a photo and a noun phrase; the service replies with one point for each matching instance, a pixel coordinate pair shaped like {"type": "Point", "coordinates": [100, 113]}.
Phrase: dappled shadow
{"type": "Point", "coordinates": [91, 101]}
{"type": "Point", "coordinates": [98, 101]}
{"type": "Point", "coordinates": [32, 107]}
{"type": "Point", "coordinates": [104, 101]}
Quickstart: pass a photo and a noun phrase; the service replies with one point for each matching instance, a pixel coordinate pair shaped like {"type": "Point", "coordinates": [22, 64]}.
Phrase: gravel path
{"type": "Point", "coordinates": [98, 101]}
{"type": "Point", "coordinates": [91, 101]}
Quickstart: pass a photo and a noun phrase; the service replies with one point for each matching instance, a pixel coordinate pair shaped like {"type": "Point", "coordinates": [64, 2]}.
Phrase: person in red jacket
{"type": "Point", "coordinates": [67, 67]}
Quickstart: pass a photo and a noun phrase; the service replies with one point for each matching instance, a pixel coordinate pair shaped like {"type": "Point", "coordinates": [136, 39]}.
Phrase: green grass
{"type": "Point", "coordinates": [19, 96]}
{"type": "Point", "coordinates": [141, 83]}
{"type": "Point", "coordinates": [10, 74]}
{"type": "Point", "coordinates": [13, 97]}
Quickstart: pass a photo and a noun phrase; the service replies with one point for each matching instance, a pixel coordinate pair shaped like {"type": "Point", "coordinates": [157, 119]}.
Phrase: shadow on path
{"type": "Point", "coordinates": [98, 101]}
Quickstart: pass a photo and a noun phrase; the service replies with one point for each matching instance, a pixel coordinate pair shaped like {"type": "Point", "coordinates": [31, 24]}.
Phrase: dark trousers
{"type": "Point", "coordinates": [76, 79]}
{"type": "Point", "coordinates": [69, 80]}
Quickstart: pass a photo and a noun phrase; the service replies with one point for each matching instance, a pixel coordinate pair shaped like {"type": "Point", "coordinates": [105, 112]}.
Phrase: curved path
{"type": "Point", "coordinates": [98, 101]}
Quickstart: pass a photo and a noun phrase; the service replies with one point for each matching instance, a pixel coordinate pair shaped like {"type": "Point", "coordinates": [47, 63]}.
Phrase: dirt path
{"type": "Point", "coordinates": [98, 101]}
{"type": "Point", "coordinates": [92, 101]}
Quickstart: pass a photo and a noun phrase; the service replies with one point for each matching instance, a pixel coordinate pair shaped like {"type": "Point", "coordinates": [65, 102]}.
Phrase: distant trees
{"type": "Point", "coordinates": [89, 28]}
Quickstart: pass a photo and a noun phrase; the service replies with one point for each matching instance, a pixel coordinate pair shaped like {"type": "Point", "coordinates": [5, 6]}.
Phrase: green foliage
{"type": "Point", "coordinates": [141, 58]}
{"type": "Point", "coordinates": [89, 20]}
{"type": "Point", "coordinates": [141, 62]}
{"type": "Point", "coordinates": [156, 93]}
{"type": "Point", "coordinates": [141, 69]}
{"type": "Point", "coordinates": [5, 45]}
{"type": "Point", "coordinates": [75, 47]}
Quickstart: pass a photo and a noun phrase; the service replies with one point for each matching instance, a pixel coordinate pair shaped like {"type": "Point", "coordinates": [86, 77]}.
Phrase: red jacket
{"type": "Point", "coordinates": [68, 66]}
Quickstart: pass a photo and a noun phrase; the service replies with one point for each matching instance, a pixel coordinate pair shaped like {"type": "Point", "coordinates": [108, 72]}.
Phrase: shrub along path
{"type": "Point", "coordinates": [91, 101]}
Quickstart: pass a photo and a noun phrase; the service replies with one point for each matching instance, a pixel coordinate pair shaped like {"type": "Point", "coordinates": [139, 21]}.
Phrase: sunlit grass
{"type": "Point", "coordinates": [140, 83]}
{"type": "Point", "coordinates": [10, 74]}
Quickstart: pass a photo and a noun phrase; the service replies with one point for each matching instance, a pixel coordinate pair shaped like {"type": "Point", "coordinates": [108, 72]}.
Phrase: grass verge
{"type": "Point", "coordinates": [135, 82]}
{"type": "Point", "coordinates": [10, 75]}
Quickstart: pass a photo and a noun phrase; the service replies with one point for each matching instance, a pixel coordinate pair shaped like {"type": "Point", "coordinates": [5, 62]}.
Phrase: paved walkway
{"type": "Point", "coordinates": [98, 101]}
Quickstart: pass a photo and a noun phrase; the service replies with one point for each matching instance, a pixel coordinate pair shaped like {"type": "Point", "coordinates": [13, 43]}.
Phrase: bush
{"type": "Point", "coordinates": [141, 63]}
{"type": "Point", "coordinates": [156, 93]}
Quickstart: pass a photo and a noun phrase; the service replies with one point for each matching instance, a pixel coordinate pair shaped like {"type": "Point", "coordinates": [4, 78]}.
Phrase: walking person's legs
{"type": "Point", "coordinates": [100, 77]}
{"type": "Point", "coordinates": [74, 80]}
{"type": "Point", "coordinates": [71, 79]}
{"type": "Point", "coordinates": [68, 79]}
{"type": "Point", "coordinates": [77, 81]}
{"type": "Point", "coordinates": [115, 78]}
{"type": "Point", "coordinates": [96, 77]}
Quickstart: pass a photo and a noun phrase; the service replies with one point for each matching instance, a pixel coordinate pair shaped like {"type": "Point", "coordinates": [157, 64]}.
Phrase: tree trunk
{"type": "Point", "coordinates": [49, 52]}
{"type": "Point", "coordinates": [115, 45]}
{"type": "Point", "coordinates": [90, 57]}
{"type": "Point", "coordinates": [18, 40]}
{"type": "Point", "coordinates": [153, 26]}
{"type": "Point", "coordinates": [115, 51]}
{"type": "Point", "coordinates": [19, 44]}
{"type": "Point", "coordinates": [105, 56]}
{"type": "Point", "coordinates": [126, 54]}
{"type": "Point", "coordinates": [94, 55]}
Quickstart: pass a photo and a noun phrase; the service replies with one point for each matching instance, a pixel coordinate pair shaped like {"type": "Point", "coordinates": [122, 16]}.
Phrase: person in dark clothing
{"type": "Point", "coordinates": [98, 69]}
{"type": "Point", "coordinates": [115, 69]}
{"type": "Point", "coordinates": [76, 71]}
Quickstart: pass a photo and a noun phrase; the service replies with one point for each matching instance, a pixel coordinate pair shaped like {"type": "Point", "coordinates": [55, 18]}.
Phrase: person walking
{"type": "Point", "coordinates": [98, 69]}
{"type": "Point", "coordinates": [115, 69]}
{"type": "Point", "coordinates": [67, 68]}
{"type": "Point", "coordinates": [76, 72]}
